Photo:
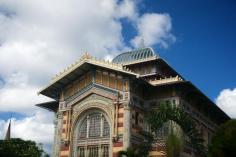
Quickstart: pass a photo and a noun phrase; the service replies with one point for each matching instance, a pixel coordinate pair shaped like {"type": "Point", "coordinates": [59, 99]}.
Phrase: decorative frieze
{"type": "Point", "coordinates": [165, 80]}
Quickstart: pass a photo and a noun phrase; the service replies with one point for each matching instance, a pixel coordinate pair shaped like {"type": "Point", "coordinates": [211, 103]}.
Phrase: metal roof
{"type": "Point", "coordinates": [134, 55]}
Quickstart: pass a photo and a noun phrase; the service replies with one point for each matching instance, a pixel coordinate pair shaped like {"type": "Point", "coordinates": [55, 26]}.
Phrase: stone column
{"type": "Point", "coordinates": [127, 126]}
{"type": "Point", "coordinates": [57, 135]}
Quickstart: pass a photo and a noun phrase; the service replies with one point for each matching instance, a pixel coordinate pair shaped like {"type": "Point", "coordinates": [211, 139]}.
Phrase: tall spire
{"type": "Point", "coordinates": [8, 133]}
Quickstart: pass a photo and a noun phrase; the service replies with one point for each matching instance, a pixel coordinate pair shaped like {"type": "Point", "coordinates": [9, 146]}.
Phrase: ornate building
{"type": "Point", "coordinates": [99, 105]}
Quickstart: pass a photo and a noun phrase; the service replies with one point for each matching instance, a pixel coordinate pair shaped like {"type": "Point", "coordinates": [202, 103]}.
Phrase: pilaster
{"type": "Point", "coordinates": [57, 140]}
{"type": "Point", "coordinates": [127, 126]}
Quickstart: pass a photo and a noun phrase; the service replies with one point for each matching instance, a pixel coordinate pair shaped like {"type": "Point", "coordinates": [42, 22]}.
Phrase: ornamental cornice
{"type": "Point", "coordinates": [90, 90]}
{"type": "Point", "coordinates": [91, 102]}
{"type": "Point", "coordinates": [86, 58]}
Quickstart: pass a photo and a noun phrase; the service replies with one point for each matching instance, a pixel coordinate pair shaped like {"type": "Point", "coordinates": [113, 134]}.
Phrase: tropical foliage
{"type": "Point", "coordinates": [181, 129]}
{"type": "Point", "coordinates": [17, 147]}
{"type": "Point", "coordinates": [174, 141]}
{"type": "Point", "coordinates": [223, 143]}
{"type": "Point", "coordinates": [167, 112]}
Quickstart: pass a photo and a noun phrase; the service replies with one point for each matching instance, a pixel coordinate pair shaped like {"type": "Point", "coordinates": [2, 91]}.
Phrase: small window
{"type": "Point", "coordinates": [112, 80]}
{"type": "Point", "coordinates": [119, 84]}
{"type": "Point", "coordinates": [105, 150]}
{"type": "Point", "coordinates": [105, 79]}
{"type": "Point", "coordinates": [81, 151]}
{"type": "Point", "coordinates": [98, 77]}
{"type": "Point", "coordinates": [126, 85]}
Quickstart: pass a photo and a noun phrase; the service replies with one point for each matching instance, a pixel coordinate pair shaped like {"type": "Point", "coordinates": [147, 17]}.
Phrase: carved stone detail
{"type": "Point", "coordinates": [92, 102]}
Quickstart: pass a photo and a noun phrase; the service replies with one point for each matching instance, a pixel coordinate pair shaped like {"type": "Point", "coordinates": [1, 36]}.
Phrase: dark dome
{"type": "Point", "coordinates": [134, 55]}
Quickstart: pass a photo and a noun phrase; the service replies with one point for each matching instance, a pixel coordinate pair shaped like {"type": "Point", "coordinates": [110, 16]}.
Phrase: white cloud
{"type": "Point", "coordinates": [38, 127]}
{"type": "Point", "coordinates": [227, 101]}
{"type": "Point", "coordinates": [39, 38]}
{"type": "Point", "coordinates": [154, 29]}
{"type": "Point", "coordinates": [19, 96]}
{"type": "Point", "coordinates": [47, 36]}
{"type": "Point", "coordinates": [127, 9]}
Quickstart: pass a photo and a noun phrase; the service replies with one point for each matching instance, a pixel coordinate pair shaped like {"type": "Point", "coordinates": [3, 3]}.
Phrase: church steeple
{"type": "Point", "coordinates": [8, 133]}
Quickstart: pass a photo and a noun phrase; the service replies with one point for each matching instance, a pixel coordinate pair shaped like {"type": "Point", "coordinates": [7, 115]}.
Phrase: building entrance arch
{"type": "Point", "coordinates": [92, 134]}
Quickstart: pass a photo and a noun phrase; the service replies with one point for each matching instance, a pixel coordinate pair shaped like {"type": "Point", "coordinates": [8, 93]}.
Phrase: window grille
{"type": "Point", "coordinates": [93, 128]}
{"type": "Point", "coordinates": [81, 152]}
{"type": "Point", "coordinates": [94, 125]}
{"type": "Point", "coordinates": [106, 128]}
{"type": "Point", "coordinates": [83, 129]}
{"type": "Point", "coordinates": [105, 151]}
{"type": "Point", "coordinates": [93, 151]}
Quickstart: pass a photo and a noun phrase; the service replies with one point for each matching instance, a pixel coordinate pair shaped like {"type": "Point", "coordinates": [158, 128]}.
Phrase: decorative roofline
{"type": "Point", "coordinates": [92, 60]}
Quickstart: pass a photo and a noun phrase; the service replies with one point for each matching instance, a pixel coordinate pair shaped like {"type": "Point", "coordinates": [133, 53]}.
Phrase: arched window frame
{"type": "Point", "coordinates": [100, 126]}
{"type": "Point", "coordinates": [101, 145]}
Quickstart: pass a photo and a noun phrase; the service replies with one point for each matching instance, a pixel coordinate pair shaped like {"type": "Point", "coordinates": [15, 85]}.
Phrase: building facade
{"type": "Point", "coordinates": [99, 105]}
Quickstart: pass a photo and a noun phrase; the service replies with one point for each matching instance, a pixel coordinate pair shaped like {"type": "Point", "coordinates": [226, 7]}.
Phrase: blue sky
{"type": "Point", "coordinates": [37, 40]}
{"type": "Point", "coordinates": [205, 47]}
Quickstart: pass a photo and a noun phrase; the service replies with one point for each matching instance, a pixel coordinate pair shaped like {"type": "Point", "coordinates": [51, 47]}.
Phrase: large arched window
{"type": "Point", "coordinates": [94, 125]}
{"type": "Point", "coordinates": [93, 135]}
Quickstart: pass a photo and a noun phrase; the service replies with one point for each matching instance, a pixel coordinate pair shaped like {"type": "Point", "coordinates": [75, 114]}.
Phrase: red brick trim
{"type": "Point", "coordinates": [120, 106]}
{"type": "Point", "coordinates": [120, 115]}
{"type": "Point", "coordinates": [118, 144]}
{"type": "Point", "coordinates": [119, 124]}
{"type": "Point", "coordinates": [64, 148]}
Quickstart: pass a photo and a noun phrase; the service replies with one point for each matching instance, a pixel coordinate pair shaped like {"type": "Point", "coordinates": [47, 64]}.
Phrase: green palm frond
{"type": "Point", "coordinates": [168, 112]}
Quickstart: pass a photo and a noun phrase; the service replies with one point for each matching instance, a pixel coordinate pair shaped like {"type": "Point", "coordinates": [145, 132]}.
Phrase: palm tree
{"type": "Point", "coordinates": [174, 141]}
{"type": "Point", "coordinates": [178, 118]}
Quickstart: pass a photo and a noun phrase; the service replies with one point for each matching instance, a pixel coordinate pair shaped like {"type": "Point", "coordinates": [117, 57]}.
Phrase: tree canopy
{"type": "Point", "coordinates": [17, 147]}
{"type": "Point", "coordinates": [223, 142]}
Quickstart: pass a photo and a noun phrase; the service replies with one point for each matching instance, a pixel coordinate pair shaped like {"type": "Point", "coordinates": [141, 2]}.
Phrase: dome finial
{"type": "Point", "coordinates": [142, 43]}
